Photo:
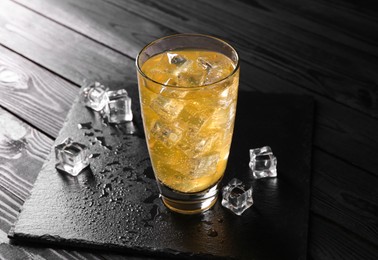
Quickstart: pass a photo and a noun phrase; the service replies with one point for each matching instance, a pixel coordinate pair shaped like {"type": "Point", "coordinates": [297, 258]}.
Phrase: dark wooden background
{"type": "Point", "coordinates": [326, 48]}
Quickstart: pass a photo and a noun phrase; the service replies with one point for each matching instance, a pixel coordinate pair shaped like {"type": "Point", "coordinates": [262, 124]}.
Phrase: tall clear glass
{"type": "Point", "coordinates": [188, 86]}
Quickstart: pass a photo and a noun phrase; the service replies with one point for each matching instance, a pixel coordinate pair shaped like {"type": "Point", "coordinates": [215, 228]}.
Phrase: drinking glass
{"type": "Point", "coordinates": [188, 86]}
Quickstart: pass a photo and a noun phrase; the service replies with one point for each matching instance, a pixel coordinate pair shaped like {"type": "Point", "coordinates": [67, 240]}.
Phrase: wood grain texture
{"type": "Point", "coordinates": [117, 28]}
{"type": "Point", "coordinates": [297, 55]}
{"type": "Point", "coordinates": [345, 195]}
{"type": "Point", "coordinates": [337, 52]}
{"type": "Point", "coordinates": [61, 50]}
{"type": "Point", "coordinates": [335, 133]}
{"type": "Point", "coordinates": [345, 136]}
{"type": "Point", "coordinates": [22, 152]}
{"type": "Point", "coordinates": [34, 94]}
{"type": "Point", "coordinates": [329, 241]}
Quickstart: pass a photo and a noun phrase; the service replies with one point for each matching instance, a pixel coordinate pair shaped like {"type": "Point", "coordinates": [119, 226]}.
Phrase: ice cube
{"type": "Point", "coordinates": [237, 197]}
{"type": "Point", "coordinates": [214, 75]}
{"type": "Point", "coordinates": [168, 135]}
{"type": "Point", "coordinates": [195, 145]}
{"type": "Point", "coordinates": [174, 58]}
{"type": "Point", "coordinates": [118, 109]}
{"type": "Point", "coordinates": [223, 118]}
{"type": "Point", "coordinates": [94, 96]}
{"type": "Point", "coordinates": [204, 166]}
{"type": "Point", "coordinates": [203, 63]}
{"type": "Point", "coordinates": [187, 78]}
{"type": "Point", "coordinates": [71, 157]}
{"type": "Point", "coordinates": [172, 93]}
{"type": "Point", "coordinates": [214, 72]}
{"type": "Point", "coordinates": [193, 118]}
{"type": "Point", "coordinates": [227, 95]}
{"type": "Point", "coordinates": [262, 162]}
{"type": "Point", "coordinates": [167, 108]}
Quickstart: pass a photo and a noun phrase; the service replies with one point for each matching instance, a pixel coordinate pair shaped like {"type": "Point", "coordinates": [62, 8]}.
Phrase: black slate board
{"type": "Point", "coordinates": [114, 205]}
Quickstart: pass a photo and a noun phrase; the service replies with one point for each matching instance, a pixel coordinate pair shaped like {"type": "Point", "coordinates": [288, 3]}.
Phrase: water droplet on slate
{"type": "Point", "coordinates": [95, 155]}
{"type": "Point", "coordinates": [101, 140]}
{"type": "Point", "coordinates": [85, 125]}
{"type": "Point", "coordinates": [113, 163]}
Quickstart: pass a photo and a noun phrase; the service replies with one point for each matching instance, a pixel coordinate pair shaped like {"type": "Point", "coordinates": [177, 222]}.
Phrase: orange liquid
{"type": "Point", "coordinates": [189, 127]}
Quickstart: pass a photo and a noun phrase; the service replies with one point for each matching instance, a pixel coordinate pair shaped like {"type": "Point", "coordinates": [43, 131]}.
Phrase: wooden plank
{"type": "Point", "coordinates": [33, 93]}
{"type": "Point", "coordinates": [297, 56]}
{"type": "Point", "coordinates": [338, 52]}
{"type": "Point", "coordinates": [335, 133]}
{"type": "Point", "coordinates": [345, 194]}
{"type": "Point", "coordinates": [329, 21]}
{"type": "Point", "coordinates": [329, 241]}
{"type": "Point", "coordinates": [22, 152]}
{"type": "Point", "coordinates": [115, 27]}
{"type": "Point", "coordinates": [51, 45]}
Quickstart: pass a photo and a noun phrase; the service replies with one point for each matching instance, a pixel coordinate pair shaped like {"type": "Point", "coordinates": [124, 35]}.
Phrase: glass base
{"type": "Point", "coordinates": [188, 203]}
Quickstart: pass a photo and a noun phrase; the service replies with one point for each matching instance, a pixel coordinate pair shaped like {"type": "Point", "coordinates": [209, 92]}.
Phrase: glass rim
{"type": "Point", "coordinates": [191, 87]}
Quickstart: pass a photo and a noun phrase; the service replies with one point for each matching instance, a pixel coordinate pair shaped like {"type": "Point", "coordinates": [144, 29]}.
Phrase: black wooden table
{"type": "Point", "coordinates": [325, 49]}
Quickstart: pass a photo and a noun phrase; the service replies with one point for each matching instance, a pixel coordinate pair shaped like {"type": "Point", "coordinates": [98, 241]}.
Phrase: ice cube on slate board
{"type": "Point", "coordinates": [71, 157]}
{"type": "Point", "coordinates": [263, 163]}
{"type": "Point", "coordinates": [95, 96]}
{"type": "Point", "coordinates": [118, 108]}
{"type": "Point", "coordinates": [237, 197]}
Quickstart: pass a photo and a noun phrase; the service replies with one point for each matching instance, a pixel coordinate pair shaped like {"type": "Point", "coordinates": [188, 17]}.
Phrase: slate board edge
{"type": "Point", "coordinates": [12, 233]}
{"type": "Point", "coordinates": [76, 244]}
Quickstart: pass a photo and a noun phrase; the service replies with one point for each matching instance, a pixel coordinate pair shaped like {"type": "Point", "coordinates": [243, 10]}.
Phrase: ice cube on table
{"type": "Point", "coordinates": [71, 157]}
{"type": "Point", "coordinates": [262, 162]}
{"type": "Point", "coordinates": [118, 108]}
{"type": "Point", "coordinates": [95, 96]}
{"type": "Point", "coordinates": [237, 197]}
{"type": "Point", "coordinates": [166, 134]}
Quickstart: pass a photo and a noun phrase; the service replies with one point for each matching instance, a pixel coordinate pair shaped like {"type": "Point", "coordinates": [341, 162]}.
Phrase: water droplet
{"type": "Point", "coordinates": [107, 186]}
{"type": "Point", "coordinates": [113, 163]}
{"type": "Point", "coordinates": [95, 155]}
{"type": "Point", "coordinates": [101, 140]}
{"type": "Point", "coordinates": [85, 125]}
{"type": "Point", "coordinates": [88, 134]}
